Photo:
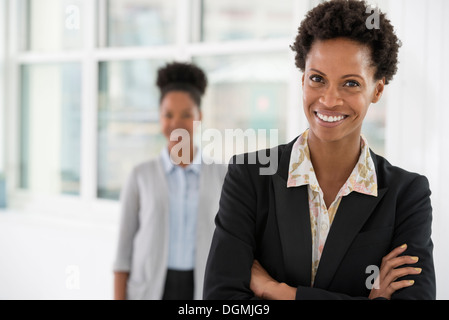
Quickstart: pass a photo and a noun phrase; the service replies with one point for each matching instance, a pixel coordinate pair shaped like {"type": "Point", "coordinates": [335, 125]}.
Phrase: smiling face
{"type": "Point", "coordinates": [338, 88]}
{"type": "Point", "coordinates": [178, 111]}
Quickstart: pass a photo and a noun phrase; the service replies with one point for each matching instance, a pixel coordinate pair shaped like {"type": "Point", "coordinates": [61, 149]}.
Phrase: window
{"type": "Point", "coordinates": [50, 128]}
{"type": "Point", "coordinates": [246, 92]}
{"type": "Point", "coordinates": [128, 121]}
{"type": "Point", "coordinates": [140, 22]}
{"type": "Point", "coordinates": [374, 126]}
{"type": "Point", "coordinates": [85, 107]}
{"type": "Point", "coordinates": [250, 19]}
{"type": "Point", "coordinates": [52, 25]}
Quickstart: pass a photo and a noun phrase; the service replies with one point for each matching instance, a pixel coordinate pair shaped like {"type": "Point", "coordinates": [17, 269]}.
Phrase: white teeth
{"type": "Point", "coordinates": [330, 118]}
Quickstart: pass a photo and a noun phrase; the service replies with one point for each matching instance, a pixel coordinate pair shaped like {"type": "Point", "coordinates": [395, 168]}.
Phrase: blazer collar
{"type": "Point", "coordinates": [284, 160]}
{"type": "Point", "coordinates": [169, 166]}
{"type": "Point", "coordinates": [292, 211]}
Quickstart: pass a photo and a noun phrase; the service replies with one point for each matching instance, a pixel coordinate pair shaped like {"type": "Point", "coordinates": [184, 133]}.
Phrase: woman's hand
{"type": "Point", "coordinates": [265, 287]}
{"type": "Point", "coordinates": [386, 283]}
{"type": "Point", "coordinates": [120, 280]}
{"type": "Point", "coordinates": [261, 281]}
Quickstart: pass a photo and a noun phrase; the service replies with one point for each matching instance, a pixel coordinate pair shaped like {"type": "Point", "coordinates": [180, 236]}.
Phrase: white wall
{"type": "Point", "coordinates": [2, 77]}
{"type": "Point", "coordinates": [418, 110]}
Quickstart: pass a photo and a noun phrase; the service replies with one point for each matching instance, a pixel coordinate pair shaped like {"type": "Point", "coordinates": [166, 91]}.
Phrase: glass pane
{"type": "Point", "coordinates": [250, 19]}
{"type": "Point", "coordinates": [374, 126]}
{"type": "Point", "coordinates": [247, 92]}
{"type": "Point", "coordinates": [128, 121]}
{"type": "Point", "coordinates": [140, 22]}
{"type": "Point", "coordinates": [50, 127]}
{"type": "Point", "coordinates": [53, 25]}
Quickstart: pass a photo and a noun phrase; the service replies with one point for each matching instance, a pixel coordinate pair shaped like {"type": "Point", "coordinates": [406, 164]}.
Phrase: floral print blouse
{"type": "Point", "coordinates": [362, 179]}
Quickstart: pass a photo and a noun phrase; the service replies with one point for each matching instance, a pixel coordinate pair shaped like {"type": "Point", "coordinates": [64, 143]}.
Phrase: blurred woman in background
{"type": "Point", "coordinates": [169, 203]}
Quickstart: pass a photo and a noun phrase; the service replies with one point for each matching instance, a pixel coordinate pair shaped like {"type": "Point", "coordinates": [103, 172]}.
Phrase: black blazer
{"type": "Point", "coordinates": [260, 218]}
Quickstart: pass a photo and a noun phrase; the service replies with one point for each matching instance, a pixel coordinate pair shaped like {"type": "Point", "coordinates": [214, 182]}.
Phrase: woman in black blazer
{"type": "Point", "coordinates": [332, 220]}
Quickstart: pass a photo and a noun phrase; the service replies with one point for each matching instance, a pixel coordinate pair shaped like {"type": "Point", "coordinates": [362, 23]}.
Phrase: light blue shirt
{"type": "Point", "coordinates": [183, 188]}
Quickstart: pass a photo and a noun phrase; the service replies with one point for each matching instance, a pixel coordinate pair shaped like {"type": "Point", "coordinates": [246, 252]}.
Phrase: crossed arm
{"type": "Point", "coordinates": [265, 287]}
{"type": "Point", "coordinates": [233, 271]}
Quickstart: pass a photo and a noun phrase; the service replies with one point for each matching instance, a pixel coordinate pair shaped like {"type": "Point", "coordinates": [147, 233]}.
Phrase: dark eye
{"type": "Point", "coordinates": [352, 84]}
{"type": "Point", "coordinates": [316, 78]}
{"type": "Point", "coordinates": [186, 115]}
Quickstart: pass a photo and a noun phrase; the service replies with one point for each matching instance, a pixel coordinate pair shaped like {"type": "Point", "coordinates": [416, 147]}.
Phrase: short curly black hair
{"type": "Point", "coordinates": [348, 19]}
{"type": "Point", "coordinates": [182, 76]}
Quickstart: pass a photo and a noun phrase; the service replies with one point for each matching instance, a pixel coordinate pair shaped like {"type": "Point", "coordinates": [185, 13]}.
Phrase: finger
{"type": "Point", "coordinates": [257, 267]}
{"type": "Point", "coordinates": [389, 265]}
{"type": "Point", "coordinates": [386, 292]}
{"type": "Point", "coordinates": [401, 272]}
{"type": "Point", "coordinates": [399, 261]}
{"type": "Point", "coordinates": [384, 270]}
{"type": "Point", "coordinates": [395, 252]}
{"type": "Point", "coordinates": [394, 286]}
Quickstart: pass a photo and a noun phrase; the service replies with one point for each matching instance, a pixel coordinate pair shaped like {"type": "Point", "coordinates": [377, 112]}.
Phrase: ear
{"type": "Point", "coordinates": [378, 91]}
{"type": "Point", "coordinates": [303, 76]}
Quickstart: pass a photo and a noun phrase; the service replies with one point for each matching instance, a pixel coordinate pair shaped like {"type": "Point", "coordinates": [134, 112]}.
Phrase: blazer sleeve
{"type": "Point", "coordinates": [233, 248]}
{"type": "Point", "coordinates": [414, 227]}
{"type": "Point", "coordinates": [228, 269]}
{"type": "Point", "coordinates": [129, 223]}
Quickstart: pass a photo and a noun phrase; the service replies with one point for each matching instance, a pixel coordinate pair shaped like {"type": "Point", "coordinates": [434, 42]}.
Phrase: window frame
{"type": "Point", "coordinates": [89, 56]}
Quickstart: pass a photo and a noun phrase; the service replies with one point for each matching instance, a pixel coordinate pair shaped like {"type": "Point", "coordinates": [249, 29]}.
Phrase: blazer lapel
{"type": "Point", "coordinates": [292, 212]}
{"type": "Point", "coordinates": [293, 217]}
{"type": "Point", "coordinates": [353, 212]}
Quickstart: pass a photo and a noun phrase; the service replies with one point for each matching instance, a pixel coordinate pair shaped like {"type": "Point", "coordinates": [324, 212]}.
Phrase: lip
{"type": "Point", "coordinates": [329, 114]}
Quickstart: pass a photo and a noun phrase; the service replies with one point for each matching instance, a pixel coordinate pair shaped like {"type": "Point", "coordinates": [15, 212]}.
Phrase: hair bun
{"type": "Point", "coordinates": [182, 73]}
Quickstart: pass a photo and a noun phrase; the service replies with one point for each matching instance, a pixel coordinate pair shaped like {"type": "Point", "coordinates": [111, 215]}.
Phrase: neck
{"type": "Point", "coordinates": [334, 160]}
{"type": "Point", "coordinates": [186, 159]}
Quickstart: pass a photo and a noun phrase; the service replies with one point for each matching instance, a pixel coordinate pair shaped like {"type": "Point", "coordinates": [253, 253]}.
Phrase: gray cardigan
{"type": "Point", "coordinates": [143, 235]}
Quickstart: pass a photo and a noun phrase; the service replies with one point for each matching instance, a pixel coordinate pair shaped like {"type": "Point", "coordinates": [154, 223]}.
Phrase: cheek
{"type": "Point", "coordinates": [305, 94]}
{"type": "Point", "coordinates": [359, 105]}
{"type": "Point", "coordinates": [311, 94]}
{"type": "Point", "coordinates": [309, 97]}
{"type": "Point", "coordinates": [188, 125]}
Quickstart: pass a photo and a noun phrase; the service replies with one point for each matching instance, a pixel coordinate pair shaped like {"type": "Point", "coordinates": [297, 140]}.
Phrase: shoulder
{"type": "Point", "coordinates": [145, 168]}
{"type": "Point", "coordinates": [397, 178]}
{"type": "Point", "coordinates": [264, 163]}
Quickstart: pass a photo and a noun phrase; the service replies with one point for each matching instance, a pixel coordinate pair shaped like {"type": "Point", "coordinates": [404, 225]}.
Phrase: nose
{"type": "Point", "coordinates": [177, 123]}
{"type": "Point", "coordinates": [331, 97]}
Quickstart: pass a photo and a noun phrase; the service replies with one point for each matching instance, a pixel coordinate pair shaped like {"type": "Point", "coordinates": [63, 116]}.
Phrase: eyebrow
{"type": "Point", "coordinates": [345, 76]}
